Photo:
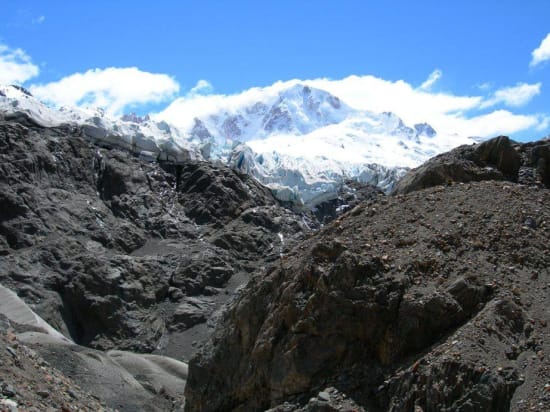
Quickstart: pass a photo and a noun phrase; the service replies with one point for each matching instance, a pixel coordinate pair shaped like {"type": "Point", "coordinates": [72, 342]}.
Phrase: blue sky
{"type": "Point", "coordinates": [473, 49]}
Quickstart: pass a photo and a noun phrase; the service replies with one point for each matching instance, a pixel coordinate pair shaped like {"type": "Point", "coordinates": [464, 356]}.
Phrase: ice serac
{"type": "Point", "coordinates": [304, 143]}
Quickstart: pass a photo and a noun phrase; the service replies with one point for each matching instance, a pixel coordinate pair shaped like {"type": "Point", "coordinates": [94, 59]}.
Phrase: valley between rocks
{"type": "Point", "coordinates": [435, 298]}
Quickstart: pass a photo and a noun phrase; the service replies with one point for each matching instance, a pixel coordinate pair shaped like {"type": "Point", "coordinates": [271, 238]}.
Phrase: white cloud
{"type": "Point", "coordinates": [379, 95]}
{"type": "Point", "coordinates": [498, 122]}
{"type": "Point", "coordinates": [446, 112]}
{"type": "Point", "coordinates": [431, 80]}
{"type": "Point", "coordinates": [484, 87]}
{"type": "Point", "coordinates": [183, 110]}
{"type": "Point", "coordinates": [15, 66]}
{"type": "Point", "coordinates": [113, 89]}
{"type": "Point", "coordinates": [514, 96]}
{"type": "Point", "coordinates": [544, 123]}
{"type": "Point", "coordinates": [202, 87]}
{"type": "Point", "coordinates": [541, 53]}
{"type": "Point", "coordinates": [39, 20]}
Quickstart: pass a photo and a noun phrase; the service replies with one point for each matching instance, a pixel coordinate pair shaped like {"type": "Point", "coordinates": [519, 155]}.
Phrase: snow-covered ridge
{"type": "Point", "coordinates": [149, 139]}
{"type": "Point", "coordinates": [301, 141]}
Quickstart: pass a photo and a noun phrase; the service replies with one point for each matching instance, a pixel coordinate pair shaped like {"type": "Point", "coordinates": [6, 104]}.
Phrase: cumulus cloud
{"type": "Point", "coordinates": [114, 89]}
{"type": "Point", "coordinates": [446, 112]}
{"type": "Point", "coordinates": [541, 53]}
{"type": "Point", "coordinates": [16, 66]}
{"type": "Point", "coordinates": [514, 96]}
{"type": "Point", "coordinates": [197, 103]}
{"type": "Point", "coordinates": [431, 80]}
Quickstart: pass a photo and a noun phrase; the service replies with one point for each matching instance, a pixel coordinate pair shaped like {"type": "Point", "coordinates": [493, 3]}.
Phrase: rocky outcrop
{"type": "Point", "coordinates": [495, 159]}
{"type": "Point", "coordinates": [350, 194]}
{"type": "Point", "coordinates": [435, 300]}
{"type": "Point", "coordinates": [120, 253]}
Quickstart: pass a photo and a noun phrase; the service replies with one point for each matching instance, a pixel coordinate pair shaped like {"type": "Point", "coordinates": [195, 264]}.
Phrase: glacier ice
{"type": "Point", "coordinates": [302, 142]}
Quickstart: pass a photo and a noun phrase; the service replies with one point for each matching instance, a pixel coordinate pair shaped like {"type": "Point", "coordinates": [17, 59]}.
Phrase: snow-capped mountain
{"type": "Point", "coordinates": [305, 142]}
{"type": "Point", "coordinates": [301, 141]}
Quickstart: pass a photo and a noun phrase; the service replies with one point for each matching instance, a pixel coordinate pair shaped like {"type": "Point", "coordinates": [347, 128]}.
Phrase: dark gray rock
{"type": "Point", "coordinates": [106, 246]}
{"type": "Point", "coordinates": [8, 390]}
{"type": "Point", "coordinates": [348, 196]}
{"type": "Point", "coordinates": [494, 159]}
{"type": "Point", "coordinates": [393, 323]}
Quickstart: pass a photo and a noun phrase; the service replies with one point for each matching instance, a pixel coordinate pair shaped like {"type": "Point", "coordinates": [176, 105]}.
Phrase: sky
{"type": "Point", "coordinates": [474, 67]}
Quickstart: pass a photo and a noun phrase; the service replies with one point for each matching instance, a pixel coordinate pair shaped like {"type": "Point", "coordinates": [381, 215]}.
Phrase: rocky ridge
{"type": "Point", "coordinates": [432, 300]}
{"type": "Point", "coordinates": [495, 159]}
{"type": "Point", "coordinates": [306, 142]}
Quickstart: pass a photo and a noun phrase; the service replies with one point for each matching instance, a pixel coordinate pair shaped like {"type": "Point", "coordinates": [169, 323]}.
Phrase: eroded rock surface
{"type": "Point", "coordinates": [435, 300]}
{"type": "Point", "coordinates": [120, 253]}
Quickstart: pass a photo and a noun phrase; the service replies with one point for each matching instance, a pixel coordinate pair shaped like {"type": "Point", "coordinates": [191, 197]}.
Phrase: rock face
{"type": "Point", "coordinates": [434, 301]}
{"type": "Point", "coordinates": [120, 253]}
{"type": "Point", "coordinates": [495, 159]}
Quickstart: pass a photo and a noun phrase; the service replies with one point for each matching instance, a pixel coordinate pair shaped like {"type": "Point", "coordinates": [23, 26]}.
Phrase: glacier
{"type": "Point", "coordinates": [152, 140]}
{"type": "Point", "coordinates": [302, 142]}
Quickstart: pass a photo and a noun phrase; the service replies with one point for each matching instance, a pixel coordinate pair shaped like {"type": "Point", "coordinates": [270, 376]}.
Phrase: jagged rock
{"type": "Point", "coordinates": [535, 158]}
{"type": "Point", "coordinates": [393, 324]}
{"type": "Point", "coordinates": [190, 312]}
{"type": "Point", "coordinates": [495, 159]}
{"type": "Point", "coordinates": [434, 300]}
{"type": "Point", "coordinates": [350, 195]}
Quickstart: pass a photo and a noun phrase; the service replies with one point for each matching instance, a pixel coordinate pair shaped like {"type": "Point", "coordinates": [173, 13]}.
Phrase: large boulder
{"type": "Point", "coordinates": [494, 159]}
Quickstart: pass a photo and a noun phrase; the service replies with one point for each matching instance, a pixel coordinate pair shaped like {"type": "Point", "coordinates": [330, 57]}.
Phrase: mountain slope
{"type": "Point", "coordinates": [432, 300]}
{"type": "Point", "coordinates": [119, 253]}
{"type": "Point", "coordinates": [152, 140]}
{"type": "Point", "coordinates": [309, 141]}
